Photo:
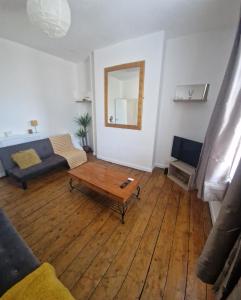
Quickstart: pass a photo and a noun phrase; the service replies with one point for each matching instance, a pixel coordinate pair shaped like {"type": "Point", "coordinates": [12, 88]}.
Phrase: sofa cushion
{"type": "Point", "coordinates": [46, 165]}
{"type": "Point", "coordinates": [16, 258]}
{"type": "Point", "coordinates": [26, 159]}
{"type": "Point", "coordinates": [42, 147]}
{"type": "Point", "coordinates": [41, 284]}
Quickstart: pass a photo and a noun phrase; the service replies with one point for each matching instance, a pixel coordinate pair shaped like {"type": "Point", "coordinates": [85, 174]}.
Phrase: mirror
{"type": "Point", "coordinates": [124, 85]}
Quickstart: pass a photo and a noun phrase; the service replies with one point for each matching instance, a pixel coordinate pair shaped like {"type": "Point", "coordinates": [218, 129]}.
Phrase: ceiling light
{"type": "Point", "coordinates": [52, 16]}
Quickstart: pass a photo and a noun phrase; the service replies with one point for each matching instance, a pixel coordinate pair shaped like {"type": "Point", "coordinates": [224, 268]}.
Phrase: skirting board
{"type": "Point", "coordinates": [134, 166]}
{"type": "Point", "coordinates": [162, 166]}
{"type": "Point", "coordinates": [214, 207]}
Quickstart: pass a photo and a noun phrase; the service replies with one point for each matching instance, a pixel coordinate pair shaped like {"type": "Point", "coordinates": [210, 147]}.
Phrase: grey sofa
{"type": "Point", "coordinates": [16, 258]}
{"type": "Point", "coordinates": [45, 151]}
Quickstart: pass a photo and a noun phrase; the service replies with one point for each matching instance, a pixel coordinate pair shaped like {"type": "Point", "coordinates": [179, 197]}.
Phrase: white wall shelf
{"type": "Point", "coordinates": [182, 174]}
{"type": "Point", "coordinates": [83, 101]}
{"type": "Point", "coordinates": [192, 93]}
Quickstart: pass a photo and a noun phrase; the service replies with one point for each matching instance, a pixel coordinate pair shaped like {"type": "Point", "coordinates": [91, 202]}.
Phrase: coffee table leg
{"type": "Point", "coordinates": [138, 192]}
{"type": "Point", "coordinates": [123, 216]}
{"type": "Point", "coordinates": [123, 209]}
{"type": "Point", "coordinates": [71, 184]}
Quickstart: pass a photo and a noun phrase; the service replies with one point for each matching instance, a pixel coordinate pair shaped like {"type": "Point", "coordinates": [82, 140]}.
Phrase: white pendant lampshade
{"type": "Point", "coordinates": [51, 16]}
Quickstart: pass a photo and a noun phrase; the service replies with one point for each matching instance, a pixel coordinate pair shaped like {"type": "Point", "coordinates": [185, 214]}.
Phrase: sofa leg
{"type": "Point", "coordinates": [24, 185]}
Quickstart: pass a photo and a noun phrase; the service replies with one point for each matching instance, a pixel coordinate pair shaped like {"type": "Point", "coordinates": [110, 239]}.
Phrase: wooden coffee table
{"type": "Point", "coordinates": [106, 181]}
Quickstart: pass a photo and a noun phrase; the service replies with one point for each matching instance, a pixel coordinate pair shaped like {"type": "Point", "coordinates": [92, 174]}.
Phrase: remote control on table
{"type": "Point", "coordinates": [125, 183]}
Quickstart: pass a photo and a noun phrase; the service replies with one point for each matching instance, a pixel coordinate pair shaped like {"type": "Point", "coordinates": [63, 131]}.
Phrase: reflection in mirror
{"type": "Point", "coordinates": [123, 95]}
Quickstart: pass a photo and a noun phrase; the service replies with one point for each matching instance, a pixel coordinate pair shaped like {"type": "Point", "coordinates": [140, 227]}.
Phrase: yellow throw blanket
{"type": "Point", "coordinates": [62, 145]}
{"type": "Point", "coordinates": [41, 284]}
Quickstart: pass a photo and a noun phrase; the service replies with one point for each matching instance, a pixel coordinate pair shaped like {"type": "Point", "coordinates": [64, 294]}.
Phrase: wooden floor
{"type": "Point", "coordinates": [152, 256]}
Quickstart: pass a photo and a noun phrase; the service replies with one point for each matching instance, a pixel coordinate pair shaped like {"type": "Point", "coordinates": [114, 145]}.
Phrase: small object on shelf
{"type": "Point", "coordinates": [182, 174]}
{"type": "Point", "coordinates": [190, 94]}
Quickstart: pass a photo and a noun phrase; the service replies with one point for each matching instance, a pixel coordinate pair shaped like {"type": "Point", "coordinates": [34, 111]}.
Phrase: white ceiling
{"type": "Point", "coordinates": [98, 23]}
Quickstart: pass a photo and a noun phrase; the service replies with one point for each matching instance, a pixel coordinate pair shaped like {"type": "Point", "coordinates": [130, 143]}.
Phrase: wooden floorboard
{"type": "Point", "coordinates": [152, 256]}
{"type": "Point", "coordinates": [177, 272]}
{"type": "Point", "coordinates": [155, 282]}
{"type": "Point", "coordinates": [195, 289]}
{"type": "Point", "coordinates": [133, 283]}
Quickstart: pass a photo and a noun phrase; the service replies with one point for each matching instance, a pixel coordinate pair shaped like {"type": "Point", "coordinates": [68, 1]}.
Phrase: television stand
{"type": "Point", "coordinates": [182, 174]}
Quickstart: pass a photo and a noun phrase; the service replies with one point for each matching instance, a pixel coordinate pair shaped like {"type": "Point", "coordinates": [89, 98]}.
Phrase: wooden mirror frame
{"type": "Point", "coordinates": [137, 64]}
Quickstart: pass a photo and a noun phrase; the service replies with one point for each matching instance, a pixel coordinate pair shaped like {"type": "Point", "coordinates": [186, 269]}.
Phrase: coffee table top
{"type": "Point", "coordinates": [105, 179]}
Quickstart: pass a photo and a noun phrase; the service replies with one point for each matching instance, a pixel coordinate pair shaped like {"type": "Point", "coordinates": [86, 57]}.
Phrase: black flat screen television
{"type": "Point", "coordinates": [186, 150]}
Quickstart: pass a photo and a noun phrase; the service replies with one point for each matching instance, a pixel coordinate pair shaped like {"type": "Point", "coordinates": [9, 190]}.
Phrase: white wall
{"type": "Point", "coordinates": [130, 147]}
{"type": "Point", "coordinates": [199, 58]}
{"type": "Point", "coordinates": [83, 89]}
{"type": "Point", "coordinates": [36, 85]}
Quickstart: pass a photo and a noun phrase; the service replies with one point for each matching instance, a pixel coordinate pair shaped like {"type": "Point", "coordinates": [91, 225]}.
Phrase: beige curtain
{"type": "Point", "coordinates": [222, 147]}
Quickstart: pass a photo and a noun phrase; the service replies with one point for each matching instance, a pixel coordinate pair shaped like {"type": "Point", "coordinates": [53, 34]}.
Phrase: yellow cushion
{"type": "Point", "coordinates": [41, 284]}
{"type": "Point", "coordinates": [27, 158]}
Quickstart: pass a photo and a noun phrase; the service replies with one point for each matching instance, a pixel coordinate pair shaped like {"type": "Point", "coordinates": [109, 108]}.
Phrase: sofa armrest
{"type": "Point", "coordinates": [16, 258]}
